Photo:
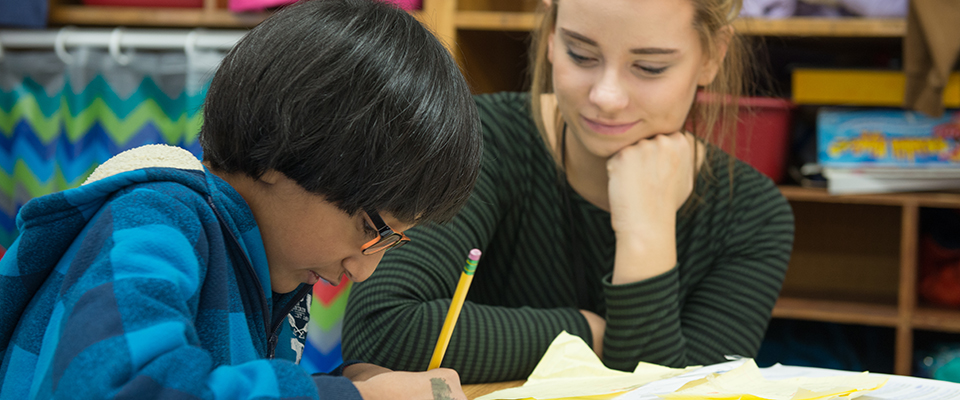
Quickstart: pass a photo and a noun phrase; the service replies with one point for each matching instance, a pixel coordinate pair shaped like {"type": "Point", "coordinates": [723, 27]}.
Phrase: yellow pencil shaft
{"type": "Point", "coordinates": [452, 314]}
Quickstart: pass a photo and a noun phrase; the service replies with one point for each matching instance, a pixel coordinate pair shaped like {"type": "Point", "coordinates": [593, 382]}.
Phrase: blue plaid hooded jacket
{"type": "Point", "coordinates": [151, 283]}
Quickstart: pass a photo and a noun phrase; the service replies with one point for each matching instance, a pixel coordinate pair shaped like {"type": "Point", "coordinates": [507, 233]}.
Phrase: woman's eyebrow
{"type": "Point", "coordinates": [653, 50]}
{"type": "Point", "coordinates": [579, 37]}
{"type": "Point", "coordinates": [591, 42]}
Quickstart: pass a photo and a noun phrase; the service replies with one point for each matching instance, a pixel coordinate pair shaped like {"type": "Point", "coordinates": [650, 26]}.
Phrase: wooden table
{"type": "Point", "coordinates": [479, 389]}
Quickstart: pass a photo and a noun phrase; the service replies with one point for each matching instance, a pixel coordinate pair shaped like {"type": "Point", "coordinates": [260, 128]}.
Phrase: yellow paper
{"type": "Point", "coordinates": [571, 370]}
{"type": "Point", "coordinates": [746, 382]}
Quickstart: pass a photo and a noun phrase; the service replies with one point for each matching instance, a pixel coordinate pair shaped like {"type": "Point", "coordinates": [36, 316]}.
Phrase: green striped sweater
{"type": "Point", "coordinates": [732, 248]}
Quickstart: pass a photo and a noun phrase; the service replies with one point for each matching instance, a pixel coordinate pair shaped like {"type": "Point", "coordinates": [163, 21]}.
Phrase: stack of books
{"type": "Point", "coordinates": [867, 144]}
{"type": "Point", "coordinates": [888, 150]}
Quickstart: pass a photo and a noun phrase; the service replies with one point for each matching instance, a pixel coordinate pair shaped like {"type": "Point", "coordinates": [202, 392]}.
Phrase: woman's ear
{"type": "Point", "coordinates": [547, 3]}
{"type": "Point", "coordinates": [712, 64]}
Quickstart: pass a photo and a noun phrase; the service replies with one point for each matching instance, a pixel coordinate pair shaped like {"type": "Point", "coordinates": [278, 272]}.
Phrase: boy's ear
{"type": "Point", "coordinates": [271, 177]}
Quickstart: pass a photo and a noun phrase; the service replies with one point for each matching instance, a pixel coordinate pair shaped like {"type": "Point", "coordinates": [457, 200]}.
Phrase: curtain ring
{"type": "Point", "coordinates": [60, 47]}
{"type": "Point", "coordinates": [122, 59]}
{"type": "Point", "coordinates": [190, 43]}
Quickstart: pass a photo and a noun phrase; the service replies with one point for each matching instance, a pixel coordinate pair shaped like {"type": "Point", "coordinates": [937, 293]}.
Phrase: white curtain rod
{"type": "Point", "coordinates": [155, 39]}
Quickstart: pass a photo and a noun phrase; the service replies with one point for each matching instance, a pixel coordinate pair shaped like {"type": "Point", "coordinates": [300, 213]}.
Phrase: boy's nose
{"type": "Point", "coordinates": [361, 267]}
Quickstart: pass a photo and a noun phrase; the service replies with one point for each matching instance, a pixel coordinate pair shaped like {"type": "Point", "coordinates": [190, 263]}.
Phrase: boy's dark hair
{"type": "Point", "coordinates": [355, 101]}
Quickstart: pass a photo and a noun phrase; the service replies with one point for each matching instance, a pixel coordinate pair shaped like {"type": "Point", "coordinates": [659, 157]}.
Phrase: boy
{"type": "Point", "coordinates": [329, 129]}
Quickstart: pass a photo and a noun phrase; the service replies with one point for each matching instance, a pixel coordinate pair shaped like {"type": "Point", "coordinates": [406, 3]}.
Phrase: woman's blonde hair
{"type": "Point", "coordinates": [712, 19]}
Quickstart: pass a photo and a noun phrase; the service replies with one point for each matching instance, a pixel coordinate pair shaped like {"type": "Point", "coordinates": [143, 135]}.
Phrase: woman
{"type": "Point", "coordinates": [597, 211]}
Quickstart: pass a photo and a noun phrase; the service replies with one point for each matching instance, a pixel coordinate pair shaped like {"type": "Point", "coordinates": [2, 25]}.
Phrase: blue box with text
{"type": "Point", "coordinates": [852, 138]}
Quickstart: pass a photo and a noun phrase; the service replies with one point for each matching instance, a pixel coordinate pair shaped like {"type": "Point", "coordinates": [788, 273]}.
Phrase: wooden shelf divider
{"type": "Point", "coordinates": [823, 27]}
{"type": "Point", "coordinates": [164, 17]}
{"type": "Point", "coordinates": [205, 17]}
{"type": "Point", "coordinates": [497, 21]}
{"type": "Point", "coordinates": [798, 26]}
{"type": "Point", "coordinates": [937, 319]}
{"type": "Point", "coordinates": [931, 199]}
{"type": "Point", "coordinates": [213, 15]}
{"type": "Point", "coordinates": [843, 312]}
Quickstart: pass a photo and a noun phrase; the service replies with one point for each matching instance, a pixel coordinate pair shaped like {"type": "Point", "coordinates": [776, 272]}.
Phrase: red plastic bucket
{"type": "Point", "coordinates": [763, 133]}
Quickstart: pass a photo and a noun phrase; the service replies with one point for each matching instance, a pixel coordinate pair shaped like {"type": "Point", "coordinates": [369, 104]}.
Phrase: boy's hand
{"type": "Point", "coordinates": [435, 384]}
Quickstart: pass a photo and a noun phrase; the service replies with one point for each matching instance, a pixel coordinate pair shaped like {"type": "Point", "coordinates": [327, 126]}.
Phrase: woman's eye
{"type": "Point", "coordinates": [652, 70]}
{"type": "Point", "coordinates": [578, 59]}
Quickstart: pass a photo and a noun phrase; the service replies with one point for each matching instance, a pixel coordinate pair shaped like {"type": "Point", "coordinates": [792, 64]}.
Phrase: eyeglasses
{"type": "Point", "coordinates": [386, 237]}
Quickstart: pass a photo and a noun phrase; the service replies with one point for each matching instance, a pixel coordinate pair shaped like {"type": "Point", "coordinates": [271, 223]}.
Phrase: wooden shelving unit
{"type": "Point", "coordinates": [442, 16]}
{"type": "Point", "coordinates": [164, 17]}
{"type": "Point", "coordinates": [855, 257]}
{"type": "Point", "coordinates": [213, 14]}
{"type": "Point", "coordinates": [873, 264]}
{"type": "Point", "coordinates": [823, 27]}
{"type": "Point", "coordinates": [819, 27]}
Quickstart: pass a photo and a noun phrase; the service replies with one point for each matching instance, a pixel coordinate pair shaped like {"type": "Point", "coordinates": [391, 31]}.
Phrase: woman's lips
{"type": "Point", "coordinates": [607, 128]}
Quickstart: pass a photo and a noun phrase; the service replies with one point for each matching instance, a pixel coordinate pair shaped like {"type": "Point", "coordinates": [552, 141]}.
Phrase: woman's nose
{"type": "Point", "coordinates": [608, 93]}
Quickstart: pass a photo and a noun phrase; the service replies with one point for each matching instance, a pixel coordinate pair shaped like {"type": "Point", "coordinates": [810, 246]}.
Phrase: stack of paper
{"type": "Point", "coordinates": [746, 382]}
{"type": "Point", "coordinates": [570, 370]}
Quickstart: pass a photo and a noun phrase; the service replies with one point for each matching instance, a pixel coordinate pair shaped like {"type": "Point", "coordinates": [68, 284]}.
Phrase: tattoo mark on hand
{"type": "Point", "coordinates": [441, 390]}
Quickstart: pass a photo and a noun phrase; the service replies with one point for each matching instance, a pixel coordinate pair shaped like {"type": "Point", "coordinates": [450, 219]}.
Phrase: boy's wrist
{"type": "Point", "coordinates": [360, 372]}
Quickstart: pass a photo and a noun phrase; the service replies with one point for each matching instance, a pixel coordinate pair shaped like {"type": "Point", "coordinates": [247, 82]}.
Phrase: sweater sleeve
{"type": "Point", "coordinates": [124, 323]}
{"type": "Point", "coordinates": [726, 312]}
{"type": "Point", "coordinates": [394, 318]}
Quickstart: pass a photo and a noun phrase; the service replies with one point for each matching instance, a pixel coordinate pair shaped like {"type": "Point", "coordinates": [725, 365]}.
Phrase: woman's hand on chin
{"type": "Point", "coordinates": [648, 182]}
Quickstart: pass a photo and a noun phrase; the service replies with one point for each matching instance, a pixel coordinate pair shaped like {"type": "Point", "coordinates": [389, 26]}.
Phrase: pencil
{"type": "Point", "coordinates": [454, 312]}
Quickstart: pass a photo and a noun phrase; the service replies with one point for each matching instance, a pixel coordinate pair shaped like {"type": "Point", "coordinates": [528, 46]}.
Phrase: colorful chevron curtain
{"type": "Point", "coordinates": [59, 121]}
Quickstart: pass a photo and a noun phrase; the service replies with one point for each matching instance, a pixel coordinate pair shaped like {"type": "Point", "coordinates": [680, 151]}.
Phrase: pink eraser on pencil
{"type": "Point", "coordinates": [474, 255]}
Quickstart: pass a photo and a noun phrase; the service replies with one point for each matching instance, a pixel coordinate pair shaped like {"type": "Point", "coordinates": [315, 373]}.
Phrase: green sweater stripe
{"type": "Point", "coordinates": [732, 248]}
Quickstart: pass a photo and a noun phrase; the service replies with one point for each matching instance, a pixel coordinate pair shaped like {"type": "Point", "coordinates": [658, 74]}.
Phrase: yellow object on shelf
{"type": "Point", "coordinates": [860, 88]}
